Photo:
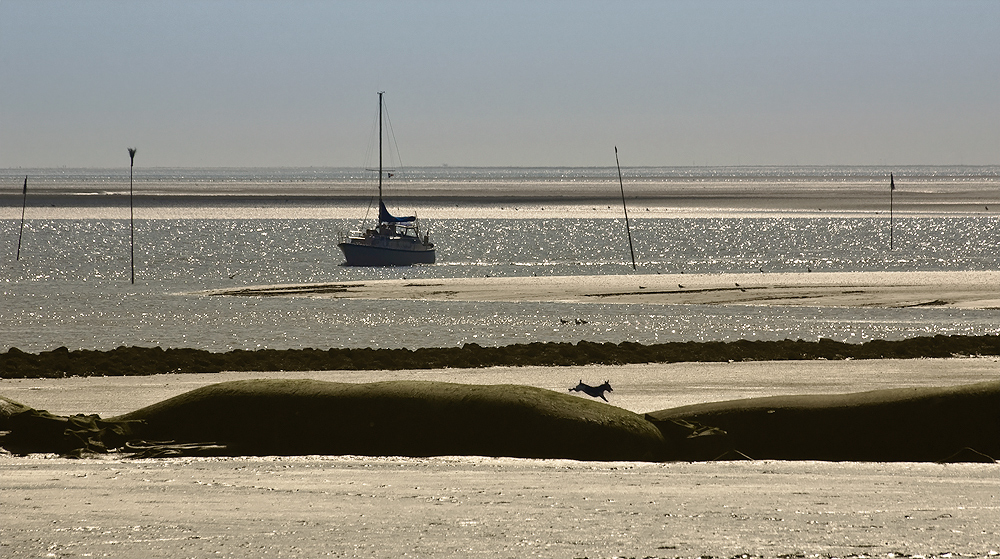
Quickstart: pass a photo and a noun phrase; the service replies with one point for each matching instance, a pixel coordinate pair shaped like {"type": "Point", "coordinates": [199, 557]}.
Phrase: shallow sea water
{"type": "Point", "coordinates": [71, 287]}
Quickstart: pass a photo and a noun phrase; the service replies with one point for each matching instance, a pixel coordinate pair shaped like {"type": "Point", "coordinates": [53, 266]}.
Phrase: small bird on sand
{"type": "Point", "coordinates": [680, 286]}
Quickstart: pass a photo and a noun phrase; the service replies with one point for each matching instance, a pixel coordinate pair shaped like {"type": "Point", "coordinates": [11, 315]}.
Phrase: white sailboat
{"type": "Point", "coordinates": [393, 241]}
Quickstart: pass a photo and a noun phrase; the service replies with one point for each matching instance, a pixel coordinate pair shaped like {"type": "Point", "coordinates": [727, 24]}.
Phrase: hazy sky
{"type": "Point", "coordinates": [293, 83]}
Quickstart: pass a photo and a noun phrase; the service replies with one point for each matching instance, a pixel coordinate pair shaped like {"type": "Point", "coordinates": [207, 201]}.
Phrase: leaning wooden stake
{"type": "Point", "coordinates": [628, 231]}
{"type": "Point", "coordinates": [24, 204]}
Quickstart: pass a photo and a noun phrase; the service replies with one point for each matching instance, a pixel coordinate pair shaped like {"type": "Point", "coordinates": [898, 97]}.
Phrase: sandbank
{"type": "Point", "coordinates": [960, 289]}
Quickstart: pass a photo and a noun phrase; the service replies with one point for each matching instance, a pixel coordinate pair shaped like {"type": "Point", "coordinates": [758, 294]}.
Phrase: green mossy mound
{"type": "Point", "coordinates": [960, 423]}
{"type": "Point", "coordinates": [403, 418]}
{"type": "Point", "coordinates": [419, 418]}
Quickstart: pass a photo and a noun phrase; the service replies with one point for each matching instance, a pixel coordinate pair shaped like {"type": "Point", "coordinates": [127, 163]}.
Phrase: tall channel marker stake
{"type": "Point", "coordinates": [131, 208]}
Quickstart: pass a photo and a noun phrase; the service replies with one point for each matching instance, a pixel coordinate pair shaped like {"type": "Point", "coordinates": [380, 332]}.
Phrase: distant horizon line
{"type": "Point", "coordinates": [447, 166]}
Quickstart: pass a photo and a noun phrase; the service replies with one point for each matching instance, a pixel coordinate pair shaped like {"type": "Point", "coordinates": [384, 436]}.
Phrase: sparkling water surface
{"type": "Point", "coordinates": [71, 287]}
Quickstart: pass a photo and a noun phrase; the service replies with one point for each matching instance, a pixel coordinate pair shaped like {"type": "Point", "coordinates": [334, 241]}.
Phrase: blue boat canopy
{"type": "Point", "coordinates": [385, 217]}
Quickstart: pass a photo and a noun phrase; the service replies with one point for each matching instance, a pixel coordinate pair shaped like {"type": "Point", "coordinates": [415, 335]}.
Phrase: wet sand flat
{"type": "Point", "coordinates": [963, 289]}
{"type": "Point", "coordinates": [460, 507]}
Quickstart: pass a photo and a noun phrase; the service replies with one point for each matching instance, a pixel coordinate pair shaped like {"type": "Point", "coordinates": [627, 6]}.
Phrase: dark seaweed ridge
{"type": "Point", "coordinates": [128, 361]}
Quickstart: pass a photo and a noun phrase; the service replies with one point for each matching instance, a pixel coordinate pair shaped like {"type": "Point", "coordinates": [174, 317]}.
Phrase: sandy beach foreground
{"type": "Point", "coordinates": [470, 507]}
{"type": "Point", "coordinates": [963, 289]}
{"type": "Point", "coordinates": [500, 507]}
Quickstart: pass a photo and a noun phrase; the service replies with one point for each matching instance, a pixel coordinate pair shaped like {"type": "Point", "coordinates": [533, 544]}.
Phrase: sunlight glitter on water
{"type": "Point", "coordinates": [69, 290]}
{"type": "Point", "coordinates": [71, 284]}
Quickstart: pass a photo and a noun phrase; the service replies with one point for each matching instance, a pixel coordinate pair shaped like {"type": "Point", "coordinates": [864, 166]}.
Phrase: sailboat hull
{"type": "Point", "coordinates": [358, 254]}
{"type": "Point", "coordinates": [394, 241]}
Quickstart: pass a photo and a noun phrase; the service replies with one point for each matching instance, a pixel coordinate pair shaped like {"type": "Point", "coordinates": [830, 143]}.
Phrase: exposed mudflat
{"type": "Point", "coordinates": [967, 289]}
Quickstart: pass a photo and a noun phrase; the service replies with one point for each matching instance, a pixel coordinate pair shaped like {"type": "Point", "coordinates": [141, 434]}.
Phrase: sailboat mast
{"type": "Point", "coordinates": [380, 146]}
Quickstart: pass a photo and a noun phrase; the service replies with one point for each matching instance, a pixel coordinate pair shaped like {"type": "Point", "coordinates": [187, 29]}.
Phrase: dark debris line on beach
{"type": "Point", "coordinates": [138, 361]}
